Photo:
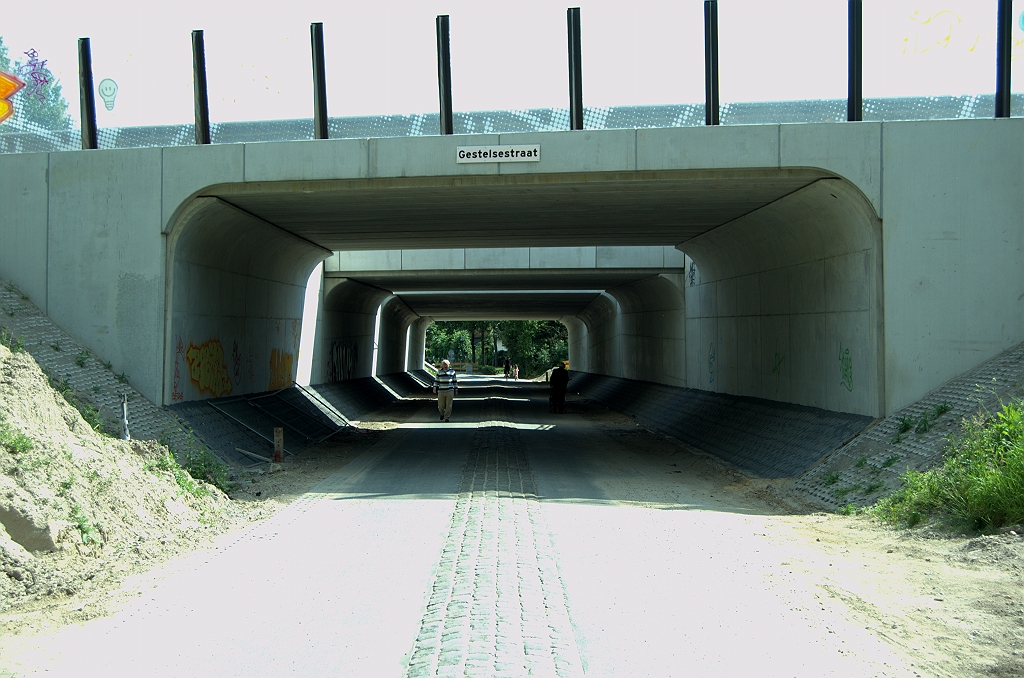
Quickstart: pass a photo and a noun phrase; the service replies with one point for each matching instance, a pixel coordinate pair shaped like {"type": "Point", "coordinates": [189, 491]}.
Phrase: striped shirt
{"type": "Point", "coordinates": [446, 381]}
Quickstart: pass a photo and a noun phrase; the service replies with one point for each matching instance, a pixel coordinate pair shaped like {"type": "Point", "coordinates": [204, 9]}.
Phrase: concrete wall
{"type": "Point", "coordinates": [395, 320]}
{"type": "Point", "coordinates": [636, 331]}
{"type": "Point", "coordinates": [953, 241]}
{"type": "Point", "coordinates": [417, 343]}
{"type": "Point", "coordinates": [505, 258]}
{"type": "Point", "coordinates": [786, 303]}
{"type": "Point", "coordinates": [237, 287]}
{"type": "Point", "coordinates": [578, 342]}
{"type": "Point", "coordinates": [349, 322]}
{"type": "Point", "coordinates": [83, 234]}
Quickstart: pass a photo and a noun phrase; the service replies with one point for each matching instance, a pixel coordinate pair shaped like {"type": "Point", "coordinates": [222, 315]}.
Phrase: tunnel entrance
{"type": "Point", "coordinates": [752, 283]}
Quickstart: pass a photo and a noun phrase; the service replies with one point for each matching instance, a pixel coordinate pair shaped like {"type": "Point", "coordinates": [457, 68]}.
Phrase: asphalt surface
{"type": "Point", "coordinates": [508, 542]}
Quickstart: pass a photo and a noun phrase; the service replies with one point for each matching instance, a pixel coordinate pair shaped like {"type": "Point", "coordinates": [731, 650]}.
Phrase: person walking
{"type": "Point", "coordinates": [508, 367]}
{"type": "Point", "coordinates": [515, 372]}
{"type": "Point", "coordinates": [446, 386]}
{"type": "Point", "coordinates": [559, 384]}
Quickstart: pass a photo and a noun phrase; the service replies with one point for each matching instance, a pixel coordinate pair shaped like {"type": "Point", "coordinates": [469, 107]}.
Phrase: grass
{"type": "Point", "coordinates": [81, 358]}
{"type": "Point", "coordinates": [861, 462]}
{"type": "Point", "coordinates": [841, 492]}
{"type": "Point", "coordinates": [831, 478]}
{"type": "Point", "coordinates": [89, 531]}
{"type": "Point", "coordinates": [980, 484]}
{"type": "Point", "coordinates": [13, 441]}
{"type": "Point", "coordinates": [167, 462]}
{"type": "Point", "coordinates": [108, 365]}
{"type": "Point", "coordinates": [890, 461]}
{"type": "Point", "coordinates": [55, 346]}
{"type": "Point", "coordinates": [90, 414]}
{"type": "Point", "coordinates": [7, 339]}
{"type": "Point", "coordinates": [122, 378]}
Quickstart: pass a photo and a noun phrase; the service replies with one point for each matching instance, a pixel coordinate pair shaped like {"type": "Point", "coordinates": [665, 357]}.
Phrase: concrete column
{"type": "Point", "coordinates": [578, 352]}
{"type": "Point", "coordinates": [349, 315]}
{"type": "Point", "coordinates": [650, 328]}
{"type": "Point", "coordinates": [417, 343]}
{"type": "Point", "coordinates": [395, 320]}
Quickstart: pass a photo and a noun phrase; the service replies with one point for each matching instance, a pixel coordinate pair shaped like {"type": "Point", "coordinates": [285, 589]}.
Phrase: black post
{"type": "Point", "coordinates": [200, 95]}
{"type": "Point", "coordinates": [1004, 28]}
{"type": "Point", "coordinates": [316, 37]}
{"type": "Point", "coordinates": [444, 73]}
{"type": "Point", "coordinates": [87, 97]}
{"type": "Point", "coordinates": [711, 62]}
{"type": "Point", "coordinates": [572, 20]}
{"type": "Point", "coordinates": [855, 61]}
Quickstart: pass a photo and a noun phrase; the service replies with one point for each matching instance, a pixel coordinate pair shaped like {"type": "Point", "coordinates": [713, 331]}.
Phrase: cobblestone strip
{"type": "Point", "coordinates": [497, 607]}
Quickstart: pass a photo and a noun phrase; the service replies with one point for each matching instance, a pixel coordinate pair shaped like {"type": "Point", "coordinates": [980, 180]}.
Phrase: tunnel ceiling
{"type": "Point", "coordinates": [502, 279]}
{"type": "Point", "coordinates": [555, 210]}
{"type": "Point", "coordinates": [509, 305]}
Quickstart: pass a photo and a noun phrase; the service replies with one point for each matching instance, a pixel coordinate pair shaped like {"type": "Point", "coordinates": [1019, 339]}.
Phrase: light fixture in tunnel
{"type": "Point", "coordinates": [494, 292]}
{"type": "Point", "coordinates": [477, 424]}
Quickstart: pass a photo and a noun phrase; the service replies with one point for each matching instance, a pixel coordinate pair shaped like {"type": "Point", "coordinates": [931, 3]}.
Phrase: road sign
{"type": "Point", "coordinates": [9, 86]}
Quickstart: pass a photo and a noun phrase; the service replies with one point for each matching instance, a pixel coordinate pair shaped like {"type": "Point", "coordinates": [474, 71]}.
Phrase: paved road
{"type": "Point", "coordinates": [509, 542]}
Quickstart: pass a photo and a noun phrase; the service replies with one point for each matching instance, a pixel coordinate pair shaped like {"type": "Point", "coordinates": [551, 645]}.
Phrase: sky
{"type": "Point", "coordinates": [381, 56]}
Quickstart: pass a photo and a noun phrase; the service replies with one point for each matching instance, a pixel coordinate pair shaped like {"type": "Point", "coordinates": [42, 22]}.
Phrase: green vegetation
{"type": "Point", "coordinates": [122, 378]}
{"type": "Point", "coordinates": [82, 356]}
{"type": "Point", "coordinates": [199, 461]}
{"type": "Point", "coordinates": [890, 461]}
{"type": "Point", "coordinates": [534, 345]}
{"type": "Point", "coordinates": [55, 346]}
{"type": "Point", "coordinates": [167, 462]}
{"type": "Point", "coordinates": [89, 531]}
{"type": "Point", "coordinates": [90, 414]}
{"type": "Point", "coordinates": [831, 478]}
{"type": "Point", "coordinates": [841, 492]}
{"type": "Point", "coordinates": [202, 463]}
{"type": "Point", "coordinates": [7, 339]}
{"type": "Point", "coordinates": [981, 483]}
{"type": "Point", "coordinates": [861, 462]}
{"type": "Point", "coordinates": [13, 441]}
{"type": "Point", "coordinates": [108, 365]}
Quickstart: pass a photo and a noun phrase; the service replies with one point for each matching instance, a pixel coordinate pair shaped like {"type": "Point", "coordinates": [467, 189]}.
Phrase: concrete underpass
{"type": "Point", "coordinates": [760, 294]}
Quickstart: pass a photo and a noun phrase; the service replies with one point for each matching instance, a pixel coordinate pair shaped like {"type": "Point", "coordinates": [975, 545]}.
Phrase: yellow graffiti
{"type": "Point", "coordinates": [280, 370]}
{"type": "Point", "coordinates": [206, 368]}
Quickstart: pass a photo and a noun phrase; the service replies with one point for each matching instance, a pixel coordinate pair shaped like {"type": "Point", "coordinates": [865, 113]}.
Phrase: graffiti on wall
{"type": "Point", "coordinates": [777, 365]}
{"type": "Point", "coordinates": [280, 369]}
{"type": "Point", "coordinates": [36, 76]}
{"type": "Point", "coordinates": [693, 274]}
{"type": "Point", "coordinates": [236, 364]}
{"type": "Point", "coordinates": [711, 363]}
{"type": "Point", "coordinates": [845, 368]}
{"type": "Point", "coordinates": [179, 355]}
{"type": "Point", "coordinates": [207, 369]}
{"type": "Point", "coordinates": [341, 360]}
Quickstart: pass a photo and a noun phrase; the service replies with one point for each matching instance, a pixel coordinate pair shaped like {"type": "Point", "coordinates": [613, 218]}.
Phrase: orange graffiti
{"type": "Point", "coordinates": [206, 368]}
{"type": "Point", "coordinates": [280, 369]}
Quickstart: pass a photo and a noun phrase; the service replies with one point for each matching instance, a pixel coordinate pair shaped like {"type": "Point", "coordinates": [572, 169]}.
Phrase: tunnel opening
{"type": "Point", "coordinates": [754, 285]}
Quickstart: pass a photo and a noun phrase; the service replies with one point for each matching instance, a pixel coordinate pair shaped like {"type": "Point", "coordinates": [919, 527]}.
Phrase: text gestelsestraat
{"type": "Point", "coordinates": [529, 153]}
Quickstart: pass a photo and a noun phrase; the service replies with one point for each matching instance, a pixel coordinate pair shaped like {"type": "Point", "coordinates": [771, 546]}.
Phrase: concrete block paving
{"type": "Point", "coordinates": [497, 605]}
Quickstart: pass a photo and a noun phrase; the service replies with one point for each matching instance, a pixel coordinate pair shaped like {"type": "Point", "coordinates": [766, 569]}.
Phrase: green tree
{"type": "Point", "coordinates": [41, 102]}
{"type": "Point", "coordinates": [445, 337]}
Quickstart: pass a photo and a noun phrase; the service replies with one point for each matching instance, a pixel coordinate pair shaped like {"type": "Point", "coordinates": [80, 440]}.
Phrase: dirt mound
{"type": "Point", "coordinates": [76, 505]}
